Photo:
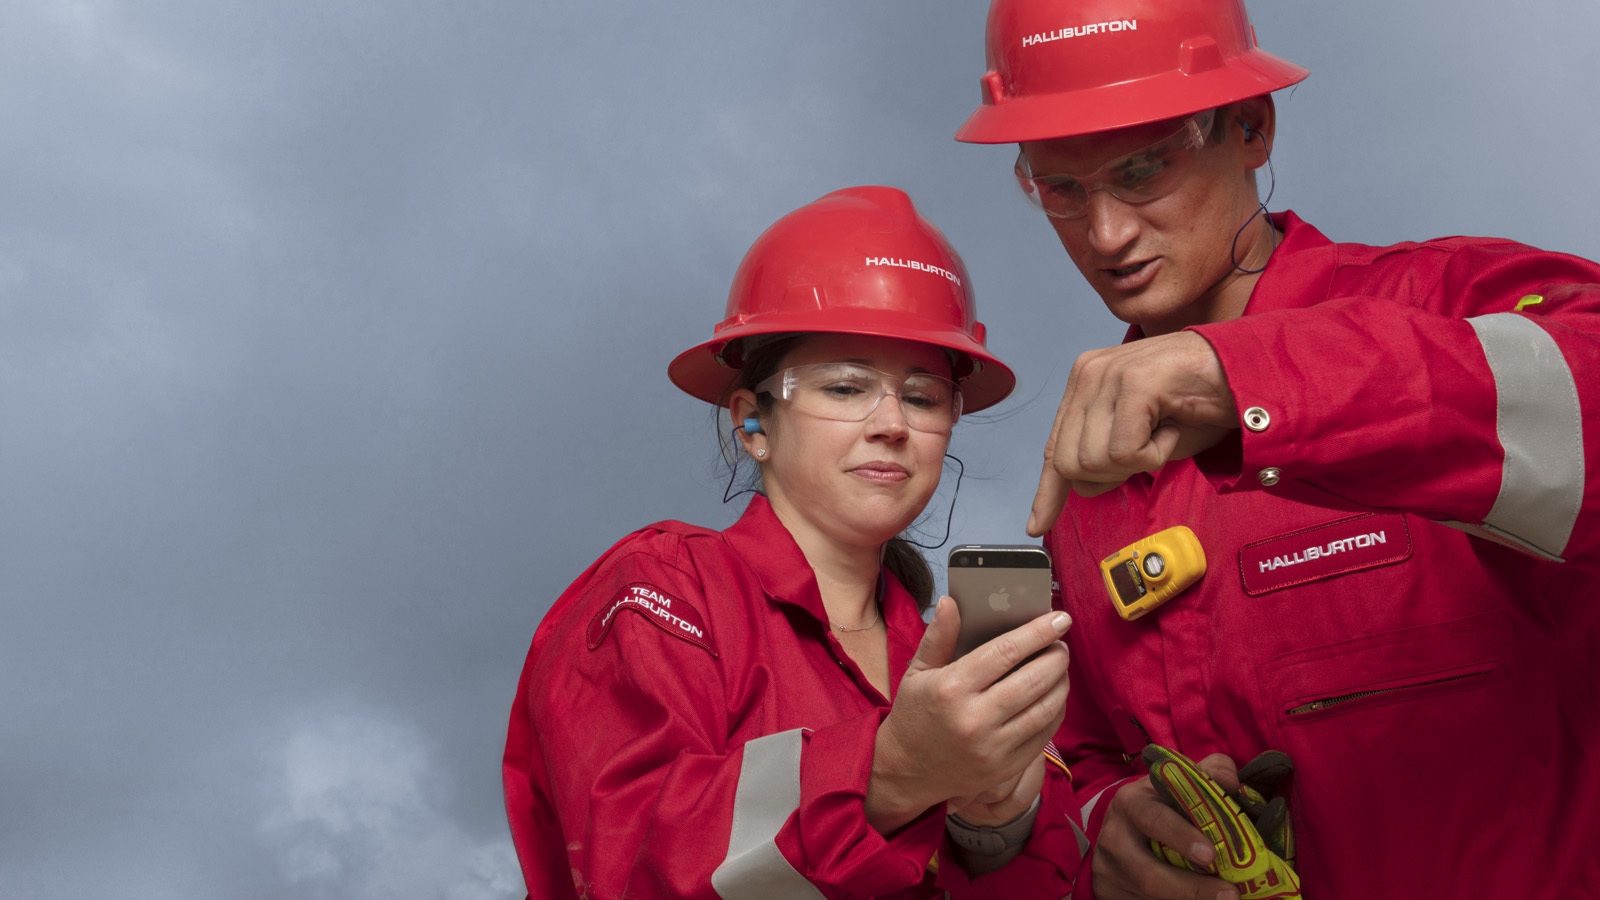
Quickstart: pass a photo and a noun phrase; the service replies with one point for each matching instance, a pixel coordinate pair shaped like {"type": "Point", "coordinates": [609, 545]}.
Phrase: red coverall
{"type": "Point", "coordinates": [1437, 692]}
{"type": "Point", "coordinates": [687, 726]}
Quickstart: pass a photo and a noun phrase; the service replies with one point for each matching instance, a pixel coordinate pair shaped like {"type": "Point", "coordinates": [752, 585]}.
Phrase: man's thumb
{"type": "Point", "coordinates": [939, 641]}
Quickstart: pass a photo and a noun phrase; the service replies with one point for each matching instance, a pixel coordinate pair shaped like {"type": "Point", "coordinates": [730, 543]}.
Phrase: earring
{"type": "Point", "coordinates": [761, 453]}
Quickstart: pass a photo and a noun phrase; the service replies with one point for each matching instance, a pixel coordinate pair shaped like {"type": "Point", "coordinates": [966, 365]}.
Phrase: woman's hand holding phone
{"type": "Point", "coordinates": [958, 730]}
{"type": "Point", "coordinates": [999, 806]}
{"type": "Point", "coordinates": [1003, 802]}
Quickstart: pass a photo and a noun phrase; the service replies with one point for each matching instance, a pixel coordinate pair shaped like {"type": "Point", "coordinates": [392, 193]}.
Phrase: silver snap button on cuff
{"type": "Point", "coordinates": [1256, 419]}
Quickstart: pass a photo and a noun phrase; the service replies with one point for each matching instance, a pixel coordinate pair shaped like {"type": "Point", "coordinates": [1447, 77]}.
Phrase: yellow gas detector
{"type": "Point", "coordinates": [1153, 570]}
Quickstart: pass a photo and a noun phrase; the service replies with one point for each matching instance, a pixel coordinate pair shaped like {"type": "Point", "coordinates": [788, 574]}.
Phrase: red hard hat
{"type": "Point", "coordinates": [858, 261]}
{"type": "Point", "coordinates": [1059, 68]}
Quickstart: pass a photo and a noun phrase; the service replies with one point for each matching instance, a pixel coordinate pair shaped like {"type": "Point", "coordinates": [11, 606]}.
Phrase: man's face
{"type": "Point", "coordinates": [1166, 263]}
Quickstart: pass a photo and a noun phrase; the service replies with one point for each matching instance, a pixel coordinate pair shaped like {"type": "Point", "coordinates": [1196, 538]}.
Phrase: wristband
{"type": "Point", "coordinates": [991, 840]}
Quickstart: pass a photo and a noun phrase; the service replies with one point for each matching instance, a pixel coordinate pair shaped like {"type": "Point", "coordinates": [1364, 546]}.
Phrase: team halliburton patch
{"type": "Point", "coordinates": [1359, 542]}
{"type": "Point", "coordinates": [675, 617]}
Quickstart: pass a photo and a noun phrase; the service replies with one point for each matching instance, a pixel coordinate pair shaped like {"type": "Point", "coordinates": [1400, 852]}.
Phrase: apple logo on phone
{"type": "Point", "coordinates": [999, 601]}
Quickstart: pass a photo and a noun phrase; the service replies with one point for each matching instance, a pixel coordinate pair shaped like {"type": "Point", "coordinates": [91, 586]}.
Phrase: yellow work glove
{"type": "Point", "coordinates": [1259, 860]}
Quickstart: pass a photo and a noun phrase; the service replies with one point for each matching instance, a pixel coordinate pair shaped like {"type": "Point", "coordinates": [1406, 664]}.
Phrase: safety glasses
{"type": "Point", "coordinates": [849, 392]}
{"type": "Point", "coordinates": [1139, 177]}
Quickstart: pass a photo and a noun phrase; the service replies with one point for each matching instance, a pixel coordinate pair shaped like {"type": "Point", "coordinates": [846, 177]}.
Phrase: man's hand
{"type": "Point", "coordinates": [958, 730]}
{"type": "Point", "coordinates": [1125, 868]}
{"type": "Point", "coordinates": [1255, 860]}
{"type": "Point", "coordinates": [1129, 409]}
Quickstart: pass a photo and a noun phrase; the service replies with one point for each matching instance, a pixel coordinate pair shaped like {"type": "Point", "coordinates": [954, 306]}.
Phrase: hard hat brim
{"type": "Point", "coordinates": [1109, 107]}
{"type": "Point", "coordinates": [698, 372]}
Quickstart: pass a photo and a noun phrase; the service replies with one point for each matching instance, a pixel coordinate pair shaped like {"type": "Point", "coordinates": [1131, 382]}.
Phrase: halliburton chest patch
{"type": "Point", "coordinates": [675, 617]}
{"type": "Point", "coordinates": [1312, 554]}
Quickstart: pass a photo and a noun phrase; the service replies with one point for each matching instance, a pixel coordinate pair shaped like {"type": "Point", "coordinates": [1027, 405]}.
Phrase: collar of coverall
{"type": "Point", "coordinates": [771, 553]}
{"type": "Point", "coordinates": [1298, 238]}
{"type": "Point", "coordinates": [1299, 269]}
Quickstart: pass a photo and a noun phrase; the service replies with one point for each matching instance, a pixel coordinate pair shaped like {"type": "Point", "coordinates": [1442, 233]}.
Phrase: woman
{"type": "Point", "coordinates": [757, 712]}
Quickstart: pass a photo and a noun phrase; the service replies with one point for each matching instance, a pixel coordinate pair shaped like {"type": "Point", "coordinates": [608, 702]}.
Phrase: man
{"type": "Point", "coordinates": [1382, 451]}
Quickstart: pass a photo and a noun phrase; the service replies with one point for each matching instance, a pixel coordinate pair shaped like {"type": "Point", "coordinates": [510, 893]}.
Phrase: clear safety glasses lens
{"type": "Point", "coordinates": [849, 392]}
{"type": "Point", "coordinates": [1139, 177]}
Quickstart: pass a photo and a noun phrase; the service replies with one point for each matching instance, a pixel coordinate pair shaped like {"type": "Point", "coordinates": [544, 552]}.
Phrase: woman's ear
{"type": "Point", "coordinates": [743, 409]}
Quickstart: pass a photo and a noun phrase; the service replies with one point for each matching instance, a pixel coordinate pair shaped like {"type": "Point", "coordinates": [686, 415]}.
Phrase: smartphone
{"type": "Point", "coordinates": [997, 587]}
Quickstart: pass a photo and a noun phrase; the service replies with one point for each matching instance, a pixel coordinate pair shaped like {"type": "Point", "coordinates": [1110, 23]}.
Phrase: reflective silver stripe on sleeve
{"type": "Point", "coordinates": [769, 790]}
{"type": "Point", "coordinates": [1088, 808]}
{"type": "Point", "coordinates": [1540, 426]}
{"type": "Point", "coordinates": [1500, 537]}
{"type": "Point", "coordinates": [1080, 828]}
{"type": "Point", "coordinates": [1078, 832]}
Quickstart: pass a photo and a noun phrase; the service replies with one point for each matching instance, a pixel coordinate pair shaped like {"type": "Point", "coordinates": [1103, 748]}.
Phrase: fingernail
{"type": "Point", "coordinates": [1031, 520]}
{"type": "Point", "coordinates": [1227, 895]}
{"type": "Point", "coordinates": [1061, 623]}
{"type": "Point", "coordinates": [1202, 852]}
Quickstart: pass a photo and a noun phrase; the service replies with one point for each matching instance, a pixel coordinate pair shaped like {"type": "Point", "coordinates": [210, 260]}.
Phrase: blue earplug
{"type": "Point", "coordinates": [752, 426]}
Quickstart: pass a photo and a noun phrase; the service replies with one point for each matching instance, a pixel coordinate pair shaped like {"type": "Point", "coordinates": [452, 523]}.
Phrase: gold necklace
{"type": "Point", "coordinates": [877, 613]}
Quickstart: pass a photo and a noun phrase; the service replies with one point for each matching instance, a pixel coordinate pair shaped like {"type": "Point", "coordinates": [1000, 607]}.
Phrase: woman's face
{"type": "Point", "coordinates": [855, 483]}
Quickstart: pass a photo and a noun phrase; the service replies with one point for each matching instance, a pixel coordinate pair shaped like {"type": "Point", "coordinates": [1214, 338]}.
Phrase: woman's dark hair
{"type": "Point", "coordinates": [902, 560]}
{"type": "Point", "coordinates": [908, 566]}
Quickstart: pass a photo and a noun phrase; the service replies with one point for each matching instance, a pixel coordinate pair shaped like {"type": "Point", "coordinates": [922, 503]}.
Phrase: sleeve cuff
{"type": "Point", "coordinates": [1084, 877]}
{"type": "Point", "coordinates": [1236, 463]}
{"type": "Point", "coordinates": [834, 836]}
{"type": "Point", "coordinates": [1046, 865]}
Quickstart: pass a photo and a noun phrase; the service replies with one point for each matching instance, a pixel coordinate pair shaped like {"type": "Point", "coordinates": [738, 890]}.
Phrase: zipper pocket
{"type": "Point", "coordinates": [1325, 703]}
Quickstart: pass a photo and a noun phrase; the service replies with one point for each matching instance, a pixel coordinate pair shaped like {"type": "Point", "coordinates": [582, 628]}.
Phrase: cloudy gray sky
{"type": "Point", "coordinates": [333, 340]}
